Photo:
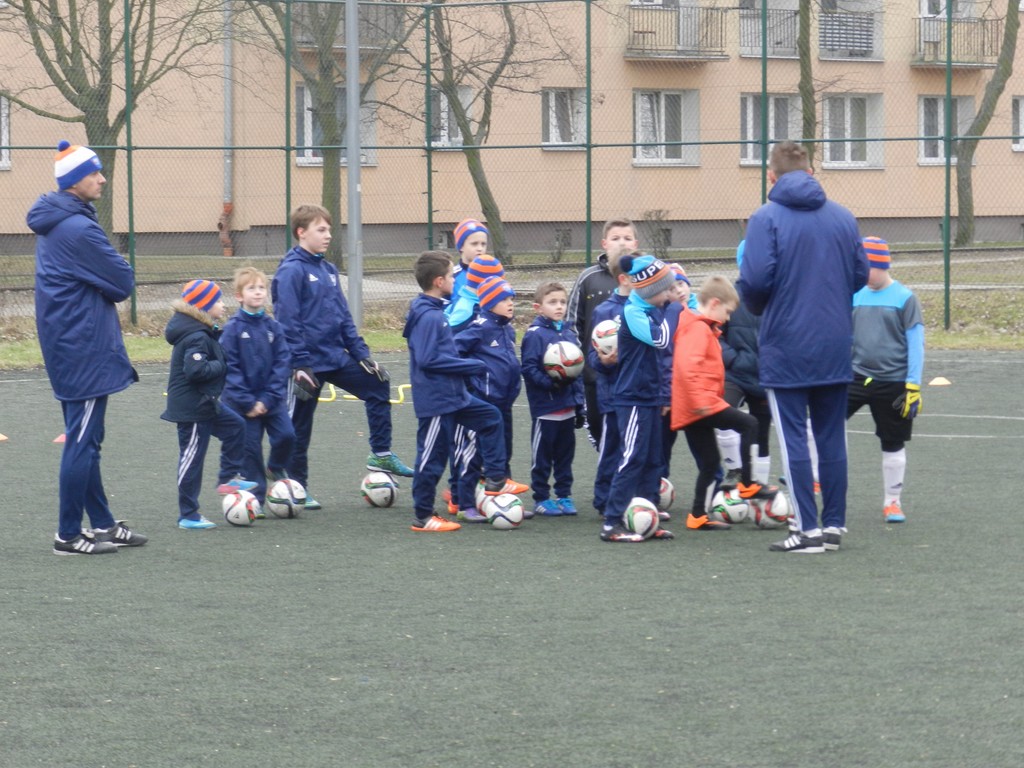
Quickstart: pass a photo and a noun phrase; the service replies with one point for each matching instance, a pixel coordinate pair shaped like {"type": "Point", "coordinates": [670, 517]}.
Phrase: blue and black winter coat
{"type": "Point", "coordinates": [491, 339]}
{"type": "Point", "coordinates": [544, 394]}
{"type": "Point", "coordinates": [437, 373]}
{"type": "Point", "coordinates": [79, 279]}
{"type": "Point", "coordinates": [198, 367]}
{"type": "Point", "coordinates": [739, 351]}
{"type": "Point", "coordinates": [258, 360]}
{"type": "Point", "coordinates": [314, 313]}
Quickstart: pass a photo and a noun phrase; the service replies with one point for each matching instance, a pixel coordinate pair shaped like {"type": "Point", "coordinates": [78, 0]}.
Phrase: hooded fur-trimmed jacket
{"type": "Point", "coordinates": [198, 366]}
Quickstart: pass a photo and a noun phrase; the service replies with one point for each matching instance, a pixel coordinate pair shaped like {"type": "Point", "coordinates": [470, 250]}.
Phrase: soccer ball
{"type": "Point", "coordinates": [770, 513]}
{"type": "Point", "coordinates": [240, 508]}
{"type": "Point", "coordinates": [666, 494]}
{"type": "Point", "coordinates": [504, 511]}
{"type": "Point", "coordinates": [379, 489]}
{"type": "Point", "coordinates": [286, 498]}
{"type": "Point", "coordinates": [563, 360]}
{"type": "Point", "coordinates": [641, 517]}
{"type": "Point", "coordinates": [605, 337]}
{"type": "Point", "coordinates": [728, 507]}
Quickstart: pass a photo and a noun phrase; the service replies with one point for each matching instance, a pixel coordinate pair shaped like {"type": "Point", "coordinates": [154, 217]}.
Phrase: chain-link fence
{"type": "Point", "coordinates": [542, 118]}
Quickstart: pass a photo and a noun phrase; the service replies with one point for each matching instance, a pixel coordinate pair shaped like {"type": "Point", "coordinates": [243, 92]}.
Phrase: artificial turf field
{"type": "Point", "coordinates": [342, 639]}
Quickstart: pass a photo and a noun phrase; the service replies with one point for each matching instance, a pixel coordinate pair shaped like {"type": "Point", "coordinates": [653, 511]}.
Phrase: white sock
{"type": "Point", "coordinates": [729, 448]}
{"type": "Point", "coordinates": [762, 469]}
{"type": "Point", "coordinates": [894, 467]}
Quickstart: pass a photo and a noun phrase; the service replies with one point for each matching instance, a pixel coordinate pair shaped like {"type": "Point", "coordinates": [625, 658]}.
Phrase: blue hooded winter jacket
{"type": "Point", "coordinates": [258, 362]}
{"type": "Point", "coordinates": [79, 279]}
{"type": "Point", "coordinates": [802, 264]}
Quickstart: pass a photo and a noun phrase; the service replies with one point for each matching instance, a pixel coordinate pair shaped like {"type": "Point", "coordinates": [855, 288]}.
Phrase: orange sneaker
{"type": "Point", "coordinates": [894, 513]}
{"type": "Point", "coordinates": [817, 487]}
{"type": "Point", "coordinates": [757, 491]}
{"type": "Point", "coordinates": [435, 524]}
{"type": "Point", "coordinates": [705, 523]}
{"type": "Point", "coordinates": [511, 486]}
{"type": "Point", "coordinates": [446, 494]}
{"type": "Point", "coordinates": [453, 509]}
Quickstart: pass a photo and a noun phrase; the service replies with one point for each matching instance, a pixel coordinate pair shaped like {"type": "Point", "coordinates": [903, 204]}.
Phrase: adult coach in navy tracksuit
{"type": "Point", "coordinates": [803, 262]}
{"type": "Point", "coordinates": [79, 277]}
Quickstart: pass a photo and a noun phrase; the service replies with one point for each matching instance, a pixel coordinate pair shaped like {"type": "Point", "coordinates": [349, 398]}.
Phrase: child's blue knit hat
{"type": "Point", "coordinates": [647, 275]}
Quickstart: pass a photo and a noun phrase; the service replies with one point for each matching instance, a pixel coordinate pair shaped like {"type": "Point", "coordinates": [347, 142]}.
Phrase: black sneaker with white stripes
{"type": "Point", "coordinates": [82, 544]}
{"type": "Point", "coordinates": [119, 535]}
{"type": "Point", "coordinates": [832, 538]}
{"type": "Point", "coordinates": [799, 544]}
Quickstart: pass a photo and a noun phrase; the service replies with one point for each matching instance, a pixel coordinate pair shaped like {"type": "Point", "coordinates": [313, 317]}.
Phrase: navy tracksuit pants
{"type": "Point", "coordinates": [609, 452]}
{"type": "Point", "coordinates": [471, 461]}
{"type": "Point", "coordinates": [434, 438]}
{"type": "Point", "coordinates": [193, 440]}
{"type": "Point", "coordinates": [277, 425]}
{"type": "Point", "coordinates": [826, 407]}
{"type": "Point", "coordinates": [81, 487]}
{"type": "Point", "coordinates": [553, 448]}
{"type": "Point", "coordinates": [368, 388]}
{"type": "Point", "coordinates": [640, 458]}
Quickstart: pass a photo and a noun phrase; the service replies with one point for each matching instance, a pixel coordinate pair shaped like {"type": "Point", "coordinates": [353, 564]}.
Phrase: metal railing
{"type": "Point", "coordinates": [782, 33]}
{"type": "Point", "coordinates": [685, 33]}
{"type": "Point", "coordinates": [974, 42]}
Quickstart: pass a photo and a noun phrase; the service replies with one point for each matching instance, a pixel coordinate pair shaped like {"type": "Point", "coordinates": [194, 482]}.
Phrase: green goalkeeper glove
{"type": "Point", "coordinates": [909, 403]}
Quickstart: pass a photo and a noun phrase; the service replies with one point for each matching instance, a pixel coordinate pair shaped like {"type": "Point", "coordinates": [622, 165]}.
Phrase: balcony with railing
{"type": "Point", "coordinates": [379, 25]}
{"type": "Point", "coordinates": [975, 43]}
{"type": "Point", "coordinates": [782, 33]}
{"type": "Point", "coordinates": [850, 35]}
{"type": "Point", "coordinates": [677, 34]}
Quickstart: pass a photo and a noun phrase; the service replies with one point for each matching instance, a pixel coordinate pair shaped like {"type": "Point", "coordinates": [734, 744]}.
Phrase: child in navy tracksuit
{"type": "Point", "coordinates": [326, 346]}
{"type": "Point", "coordinates": [259, 367]}
{"type": "Point", "coordinates": [556, 406]}
{"type": "Point", "coordinates": [636, 396]}
{"type": "Point", "coordinates": [491, 339]}
{"type": "Point", "coordinates": [197, 374]}
{"type": "Point", "coordinates": [440, 398]}
{"type": "Point", "coordinates": [606, 369]}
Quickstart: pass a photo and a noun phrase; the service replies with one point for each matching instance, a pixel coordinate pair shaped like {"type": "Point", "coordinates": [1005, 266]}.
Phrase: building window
{"type": "Point", "coordinates": [932, 124]}
{"type": "Point", "coordinates": [563, 116]}
{"type": "Point", "coordinates": [783, 123]}
{"type": "Point", "coordinates": [1017, 120]}
{"type": "Point", "coordinates": [849, 121]}
{"type": "Point", "coordinates": [309, 136]}
{"type": "Point", "coordinates": [661, 119]}
{"type": "Point", "coordinates": [444, 128]}
{"type": "Point", "coordinates": [5, 134]}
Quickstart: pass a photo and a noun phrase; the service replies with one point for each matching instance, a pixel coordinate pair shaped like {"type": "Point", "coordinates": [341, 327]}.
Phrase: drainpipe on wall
{"type": "Point", "coordinates": [224, 223]}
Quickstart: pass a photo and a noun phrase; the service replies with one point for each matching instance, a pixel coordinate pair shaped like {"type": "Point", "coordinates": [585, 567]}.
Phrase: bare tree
{"type": "Point", "coordinates": [82, 48]}
{"type": "Point", "coordinates": [310, 38]}
{"type": "Point", "coordinates": [966, 147]}
{"type": "Point", "coordinates": [478, 52]}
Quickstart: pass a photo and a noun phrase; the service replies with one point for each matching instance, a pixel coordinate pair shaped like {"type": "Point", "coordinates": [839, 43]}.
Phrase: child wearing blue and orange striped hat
{"type": "Point", "coordinates": [470, 238]}
{"type": "Point", "coordinates": [198, 371]}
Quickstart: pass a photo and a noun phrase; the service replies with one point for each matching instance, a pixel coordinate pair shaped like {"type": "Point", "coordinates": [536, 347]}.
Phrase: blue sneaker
{"type": "Point", "coordinates": [471, 516]}
{"type": "Point", "coordinates": [548, 508]}
{"type": "Point", "coordinates": [195, 525]}
{"type": "Point", "coordinates": [567, 506]}
{"type": "Point", "coordinates": [237, 483]}
{"type": "Point", "coordinates": [311, 503]}
{"type": "Point", "coordinates": [390, 464]}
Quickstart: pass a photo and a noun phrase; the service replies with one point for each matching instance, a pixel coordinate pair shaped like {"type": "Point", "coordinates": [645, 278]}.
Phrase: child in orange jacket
{"type": "Point", "coordinates": [698, 399]}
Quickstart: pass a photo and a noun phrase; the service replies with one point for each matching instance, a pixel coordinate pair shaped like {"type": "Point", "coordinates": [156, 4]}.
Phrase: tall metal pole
{"type": "Point", "coordinates": [129, 74]}
{"type": "Point", "coordinates": [947, 147]}
{"type": "Point", "coordinates": [353, 155]}
{"type": "Point", "coordinates": [590, 148]}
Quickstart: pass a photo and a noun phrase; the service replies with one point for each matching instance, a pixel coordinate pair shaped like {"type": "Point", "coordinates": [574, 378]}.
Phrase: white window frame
{"type": "Point", "coordinates": [653, 127]}
{"type": "Point", "coordinates": [444, 130]}
{"type": "Point", "coordinates": [1017, 124]}
{"type": "Point", "coordinates": [5, 131]}
{"type": "Point", "coordinates": [929, 151]}
{"type": "Point", "coordinates": [571, 104]}
{"type": "Point", "coordinates": [305, 127]}
{"type": "Point", "coordinates": [860, 115]}
{"type": "Point", "coordinates": [780, 127]}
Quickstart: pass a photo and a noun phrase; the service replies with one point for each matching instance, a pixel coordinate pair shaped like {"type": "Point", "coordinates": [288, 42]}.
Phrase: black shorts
{"type": "Point", "coordinates": [890, 427]}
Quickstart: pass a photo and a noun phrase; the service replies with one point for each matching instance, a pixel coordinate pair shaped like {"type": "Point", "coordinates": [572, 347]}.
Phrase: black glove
{"type": "Point", "coordinates": [909, 403]}
{"type": "Point", "coordinates": [306, 385]}
{"type": "Point", "coordinates": [374, 368]}
{"type": "Point", "coordinates": [581, 418]}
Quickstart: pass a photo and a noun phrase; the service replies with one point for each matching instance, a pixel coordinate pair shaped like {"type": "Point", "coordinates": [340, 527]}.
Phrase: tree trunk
{"type": "Point", "coordinates": [100, 138]}
{"type": "Point", "coordinates": [488, 205]}
{"type": "Point", "coordinates": [965, 148]}
{"type": "Point", "coordinates": [808, 105]}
